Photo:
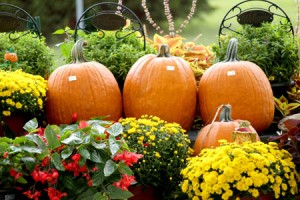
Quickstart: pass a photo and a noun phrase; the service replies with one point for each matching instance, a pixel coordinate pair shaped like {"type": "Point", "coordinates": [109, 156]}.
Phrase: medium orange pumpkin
{"type": "Point", "coordinates": [241, 84]}
{"type": "Point", "coordinates": [86, 88]}
{"type": "Point", "coordinates": [210, 134]}
{"type": "Point", "coordinates": [161, 85]}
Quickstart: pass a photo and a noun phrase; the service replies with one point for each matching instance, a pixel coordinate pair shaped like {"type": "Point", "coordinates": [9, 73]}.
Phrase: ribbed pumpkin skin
{"type": "Point", "coordinates": [209, 136]}
{"type": "Point", "coordinates": [248, 92]}
{"type": "Point", "coordinates": [150, 88]}
{"type": "Point", "coordinates": [95, 92]}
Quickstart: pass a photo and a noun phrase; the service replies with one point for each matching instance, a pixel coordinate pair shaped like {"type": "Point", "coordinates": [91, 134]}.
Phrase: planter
{"type": "Point", "coordinates": [143, 193]}
{"type": "Point", "coordinates": [280, 89]}
{"type": "Point", "coordinates": [262, 196]}
{"type": "Point", "coordinates": [8, 194]}
{"type": "Point", "coordinates": [13, 125]}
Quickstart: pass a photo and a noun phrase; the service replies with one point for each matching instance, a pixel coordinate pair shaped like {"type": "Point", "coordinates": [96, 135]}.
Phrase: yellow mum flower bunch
{"type": "Point", "coordinates": [21, 92]}
{"type": "Point", "coordinates": [165, 148]}
{"type": "Point", "coordinates": [232, 171]}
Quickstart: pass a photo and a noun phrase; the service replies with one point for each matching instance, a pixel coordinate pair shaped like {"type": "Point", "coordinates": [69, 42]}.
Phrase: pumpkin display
{"type": "Point", "coordinates": [242, 84]}
{"type": "Point", "coordinates": [223, 129]}
{"type": "Point", "coordinates": [161, 85]}
{"type": "Point", "coordinates": [88, 89]}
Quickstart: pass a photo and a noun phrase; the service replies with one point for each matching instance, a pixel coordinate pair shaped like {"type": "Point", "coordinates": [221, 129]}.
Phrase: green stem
{"type": "Point", "coordinates": [77, 52]}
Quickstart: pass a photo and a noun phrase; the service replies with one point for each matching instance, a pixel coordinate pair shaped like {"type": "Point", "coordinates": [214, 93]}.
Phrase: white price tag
{"type": "Point", "coordinates": [72, 78]}
{"type": "Point", "coordinates": [231, 73]}
{"type": "Point", "coordinates": [170, 68]}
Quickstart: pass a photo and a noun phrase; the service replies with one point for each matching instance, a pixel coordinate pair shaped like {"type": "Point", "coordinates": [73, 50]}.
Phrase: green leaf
{"type": "Point", "coordinates": [100, 196]}
{"type": "Point", "coordinates": [22, 180]}
{"type": "Point", "coordinates": [124, 169]}
{"type": "Point", "coordinates": [59, 32]}
{"type": "Point", "coordinates": [110, 167]}
{"type": "Point", "coordinates": [115, 129]}
{"type": "Point", "coordinates": [117, 193]}
{"type": "Point", "coordinates": [37, 140]}
{"type": "Point", "coordinates": [98, 178]}
{"type": "Point", "coordinates": [56, 160]}
{"type": "Point", "coordinates": [3, 147]}
{"type": "Point", "coordinates": [51, 137]}
{"type": "Point", "coordinates": [99, 145]}
{"type": "Point", "coordinates": [31, 125]}
{"type": "Point", "coordinates": [85, 153]}
{"type": "Point", "coordinates": [30, 149]}
{"type": "Point", "coordinates": [88, 194]}
{"type": "Point", "coordinates": [66, 153]}
{"type": "Point", "coordinates": [72, 140]}
{"type": "Point", "coordinates": [95, 157]}
{"type": "Point", "coordinates": [97, 129]}
{"type": "Point", "coordinates": [113, 146]}
{"type": "Point", "coordinates": [29, 162]}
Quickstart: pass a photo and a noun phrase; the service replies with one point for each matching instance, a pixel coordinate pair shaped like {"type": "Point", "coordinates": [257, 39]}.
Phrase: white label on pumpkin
{"type": "Point", "coordinates": [170, 68]}
{"type": "Point", "coordinates": [231, 73]}
{"type": "Point", "coordinates": [72, 78]}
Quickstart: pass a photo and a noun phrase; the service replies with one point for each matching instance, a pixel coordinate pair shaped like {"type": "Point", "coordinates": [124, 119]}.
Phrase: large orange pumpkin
{"type": "Point", "coordinates": [86, 88]}
{"type": "Point", "coordinates": [242, 84]}
{"type": "Point", "coordinates": [161, 85]}
{"type": "Point", "coordinates": [210, 134]}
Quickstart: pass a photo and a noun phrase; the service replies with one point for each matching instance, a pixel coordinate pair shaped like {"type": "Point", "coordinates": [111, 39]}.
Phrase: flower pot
{"type": "Point", "coordinates": [262, 196]}
{"type": "Point", "coordinates": [142, 193]}
{"type": "Point", "coordinates": [13, 124]}
{"type": "Point", "coordinates": [8, 194]}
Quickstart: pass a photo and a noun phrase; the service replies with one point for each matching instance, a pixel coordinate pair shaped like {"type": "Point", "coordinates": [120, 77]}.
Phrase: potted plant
{"type": "Point", "coordinates": [22, 96]}
{"type": "Point", "coordinates": [237, 171]}
{"type": "Point", "coordinates": [272, 47]}
{"type": "Point", "coordinates": [165, 149]}
{"type": "Point", "coordinates": [34, 56]}
{"type": "Point", "coordinates": [85, 160]}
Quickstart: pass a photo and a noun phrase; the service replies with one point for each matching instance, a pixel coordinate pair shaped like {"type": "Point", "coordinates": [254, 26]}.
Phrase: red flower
{"type": "Point", "coordinates": [5, 154]}
{"type": "Point", "coordinates": [31, 195]}
{"type": "Point", "coordinates": [74, 117]}
{"type": "Point", "coordinates": [125, 182]}
{"type": "Point", "coordinates": [76, 157]}
{"type": "Point", "coordinates": [129, 158]}
{"type": "Point", "coordinates": [54, 194]}
{"type": "Point", "coordinates": [83, 124]}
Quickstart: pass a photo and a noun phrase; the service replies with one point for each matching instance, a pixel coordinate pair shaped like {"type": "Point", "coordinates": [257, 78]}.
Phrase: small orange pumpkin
{"type": "Point", "coordinates": [161, 85]}
{"type": "Point", "coordinates": [88, 89]}
{"type": "Point", "coordinates": [10, 56]}
{"type": "Point", "coordinates": [243, 85]}
{"type": "Point", "coordinates": [223, 129]}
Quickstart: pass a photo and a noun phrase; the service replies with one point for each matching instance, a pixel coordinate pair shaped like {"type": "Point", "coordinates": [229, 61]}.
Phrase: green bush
{"type": "Point", "coordinates": [34, 56]}
{"type": "Point", "coordinates": [272, 47]}
{"type": "Point", "coordinates": [118, 55]}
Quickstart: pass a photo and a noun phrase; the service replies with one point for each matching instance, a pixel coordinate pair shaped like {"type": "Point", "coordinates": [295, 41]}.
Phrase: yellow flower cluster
{"type": "Point", "coordinates": [21, 92]}
{"type": "Point", "coordinates": [165, 148]}
{"type": "Point", "coordinates": [234, 170]}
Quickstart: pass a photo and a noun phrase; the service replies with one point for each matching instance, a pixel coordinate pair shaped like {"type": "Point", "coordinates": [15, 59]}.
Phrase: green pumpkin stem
{"type": "Point", "coordinates": [225, 115]}
{"type": "Point", "coordinates": [232, 51]}
{"type": "Point", "coordinates": [77, 52]}
{"type": "Point", "coordinates": [164, 51]}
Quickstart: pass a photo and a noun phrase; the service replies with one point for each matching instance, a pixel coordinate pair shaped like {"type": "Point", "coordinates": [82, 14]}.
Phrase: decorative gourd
{"type": "Point", "coordinates": [241, 84]}
{"type": "Point", "coordinates": [161, 85]}
{"type": "Point", "coordinates": [223, 129]}
{"type": "Point", "coordinates": [10, 56]}
{"type": "Point", "coordinates": [86, 88]}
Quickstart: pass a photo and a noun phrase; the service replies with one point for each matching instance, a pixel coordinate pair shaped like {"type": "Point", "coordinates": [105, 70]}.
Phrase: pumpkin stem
{"type": "Point", "coordinates": [164, 51]}
{"type": "Point", "coordinates": [232, 50]}
{"type": "Point", "coordinates": [77, 52]}
{"type": "Point", "coordinates": [225, 115]}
